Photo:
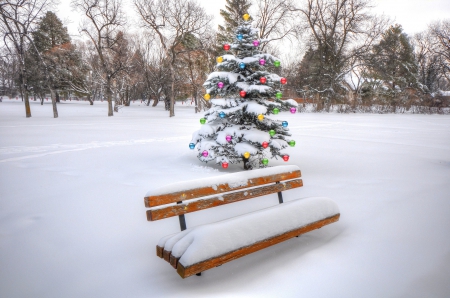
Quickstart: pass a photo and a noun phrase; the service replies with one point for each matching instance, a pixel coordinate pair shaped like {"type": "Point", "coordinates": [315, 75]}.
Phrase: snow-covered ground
{"type": "Point", "coordinates": [73, 223]}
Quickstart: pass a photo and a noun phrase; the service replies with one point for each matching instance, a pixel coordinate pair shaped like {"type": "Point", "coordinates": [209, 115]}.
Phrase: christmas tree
{"type": "Point", "coordinates": [243, 92]}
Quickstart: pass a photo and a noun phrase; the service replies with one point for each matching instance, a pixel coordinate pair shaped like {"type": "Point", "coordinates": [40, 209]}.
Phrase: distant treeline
{"type": "Point", "coordinates": [342, 54]}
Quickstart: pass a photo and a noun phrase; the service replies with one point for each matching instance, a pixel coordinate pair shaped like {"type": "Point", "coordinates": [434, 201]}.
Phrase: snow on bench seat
{"type": "Point", "coordinates": [209, 241]}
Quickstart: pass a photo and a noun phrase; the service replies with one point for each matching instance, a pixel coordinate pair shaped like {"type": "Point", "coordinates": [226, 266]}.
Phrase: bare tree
{"type": "Point", "coordinates": [18, 18]}
{"type": "Point", "coordinates": [441, 32]}
{"type": "Point", "coordinates": [275, 20]}
{"type": "Point", "coordinates": [104, 20]}
{"type": "Point", "coordinates": [173, 22]}
{"type": "Point", "coordinates": [341, 32]}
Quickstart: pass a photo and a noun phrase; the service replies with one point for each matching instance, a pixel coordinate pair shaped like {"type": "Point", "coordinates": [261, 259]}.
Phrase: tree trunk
{"type": "Point", "coordinates": [53, 97]}
{"type": "Point", "coordinates": [90, 100]}
{"type": "Point", "coordinates": [172, 96]}
{"type": "Point", "coordinates": [27, 102]}
{"type": "Point", "coordinates": [127, 98]}
{"type": "Point", "coordinates": [109, 97]}
{"type": "Point", "coordinates": [196, 102]}
{"type": "Point", "coordinates": [246, 164]}
{"type": "Point", "coordinates": [155, 101]}
{"type": "Point", "coordinates": [57, 97]}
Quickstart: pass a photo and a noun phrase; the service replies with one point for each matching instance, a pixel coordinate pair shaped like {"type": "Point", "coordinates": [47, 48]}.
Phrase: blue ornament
{"type": "Point", "coordinates": [285, 123]}
{"type": "Point", "coordinates": [222, 115]}
{"type": "Point", "coordinates": [240, 36]}
{"type": "Point", "coordinates": [242, 65]}
{"type": "Point", "coordinates": [192, 145]}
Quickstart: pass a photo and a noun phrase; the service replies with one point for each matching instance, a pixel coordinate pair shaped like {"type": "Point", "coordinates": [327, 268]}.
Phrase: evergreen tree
{"type": "Point", "coordinates": [50, 33]}
{"type": "Point", "coordinates": [234, 10]}
{"type": "Point", "coordinates": [55, 63]}
{"type": "Point", "coordinates": [236, 128]}
{"type": "Point", "coordinates": [393, 60]}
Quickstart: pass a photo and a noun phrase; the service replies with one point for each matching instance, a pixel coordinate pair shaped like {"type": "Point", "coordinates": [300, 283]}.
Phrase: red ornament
{"type": "Point", "coordinates": [265, 144]}
{"type": "Point", "coordinates": [226, 47]}
{"type": "Point", "coordinates": [263, 80]}
{"type": "Point", "coordinates": [285, 157]}
{"type": "Point", "coordinates": [242, 93]}
{"type": "Point", "coordinates": [283, 81]}
{"type": "Point", "coordinates": [224, 165]}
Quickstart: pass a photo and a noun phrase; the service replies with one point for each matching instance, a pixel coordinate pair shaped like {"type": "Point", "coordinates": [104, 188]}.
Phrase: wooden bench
{"type": "Point", "coordinates": [197, 249]}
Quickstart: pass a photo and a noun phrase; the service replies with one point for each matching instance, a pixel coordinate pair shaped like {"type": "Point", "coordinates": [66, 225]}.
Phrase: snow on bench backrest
{"type": "Point", "coordinates": [193, 189]}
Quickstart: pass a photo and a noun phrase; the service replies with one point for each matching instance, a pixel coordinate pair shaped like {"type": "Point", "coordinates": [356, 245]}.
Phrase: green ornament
{"type": "Point", "coordinates": [277, 63]}
{"type": "Point", "coordinates": [265, 161]}
{"type": "Point", "coordinates": [276, 111]}
{"type": "Point", "coordinates": [279, 95]}
{"type": "Point", "coordinates": [292, 143]}
{"type": "Point", "coordinates": [202, 120]}
{"type": "Point", "coordinates": [272, 133]}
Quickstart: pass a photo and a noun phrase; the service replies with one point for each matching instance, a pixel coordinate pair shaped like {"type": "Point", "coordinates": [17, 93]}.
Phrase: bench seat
{"type": "Point", "coordinates": [197, 249]}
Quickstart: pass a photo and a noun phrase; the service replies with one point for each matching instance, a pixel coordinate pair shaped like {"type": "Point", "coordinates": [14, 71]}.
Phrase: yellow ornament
{"type": "Point", "coordinates": [246, 16]}
{"type": "Point", "coordinates": [260, 117]}
{"type": "Point", "coordinates": [246, 155]}
{"type": "Point", "coordinates": [219, 59]}
{"type": "Point", "coordinates": [207, 96]}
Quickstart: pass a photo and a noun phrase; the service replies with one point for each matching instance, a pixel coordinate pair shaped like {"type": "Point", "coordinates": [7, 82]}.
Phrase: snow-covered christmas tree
{"type": "Point", "coordinates": [243, 92]}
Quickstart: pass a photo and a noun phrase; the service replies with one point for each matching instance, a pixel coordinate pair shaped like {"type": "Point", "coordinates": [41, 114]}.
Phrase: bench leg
{"type": "Point", "coordinates": [182, 220]}
{"type": "Point", "coordinates": [280, 195]}
{"type": "Point", "coordinates": [199, 274]}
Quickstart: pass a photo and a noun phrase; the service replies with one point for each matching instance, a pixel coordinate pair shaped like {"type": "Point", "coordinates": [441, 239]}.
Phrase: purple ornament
{"type": "Point", "coordinates": [228, 138]}
{"type": "Point", "coordinates": [293, 110]}
{"type": "Point", "coordinates": [262, 62]}
{"type": "Point", "coordinates": [220, 85]}
{"type": "Point", "coordinates": [256, 43]}
{"type": "Point", "coordinates": [205, 153]}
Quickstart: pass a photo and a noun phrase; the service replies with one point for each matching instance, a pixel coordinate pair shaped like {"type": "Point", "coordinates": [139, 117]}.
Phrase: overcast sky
{"type": "Point", "coordinates": [413, 15]}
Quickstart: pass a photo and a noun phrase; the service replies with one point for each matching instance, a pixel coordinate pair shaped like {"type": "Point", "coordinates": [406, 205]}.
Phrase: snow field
{"type": "Point", "coordinates": [73, 224]}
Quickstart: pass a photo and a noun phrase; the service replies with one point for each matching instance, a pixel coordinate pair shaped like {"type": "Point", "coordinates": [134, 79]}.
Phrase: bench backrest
{"type": "Point", "coordinates": [206, 193]}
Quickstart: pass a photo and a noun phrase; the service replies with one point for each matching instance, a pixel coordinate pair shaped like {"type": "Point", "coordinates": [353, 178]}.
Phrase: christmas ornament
{"type": "Point", "coordinates": [222, 115]}
{"type": "Point", "coordinates": [205, 153]}
{"type": "Point", "coordinates": [246, 155]}
{"type": "Point", "coordinates": [265, 161]}
{"type": "Point", "coordinates": [276, 111]}
{"type": "Point", "coordinates": [219, 59]}
{"type": "Point", "coordinates": [260, 117]}
{"type": "Point", "coordinates": [242, 93]}
{"type": "Point", "coordinates": [226, 47]}
{"type": "Point", "coordinates": [279, 95]}
{"type": "Point", "coordinates": [256, 43]}
{"type": "Point", "coordinates": [277, 63]}
{"type": "Point", "coordinates": [283, 81]}
{"type": "Point", "coordinates": [246, 17]}
{"type": "Point", "coordinates": [207, 96]}
{"type": "Point", "coordinates": [240, 36]}
{"type": "Point", "coordinates": [192, 145]}
{"type": "Point", "coordinates": [202, 120]}
{"type": "Point", "coordinates": [228, 138]}
{"type": "Point", "coordinates": [292, 143]}
{"type": "Point", "coordinates": [263, 80]}
{"type": "Point", "coordinates": [242, 65]}
{"type": "Point", "coordinates": [285, 157]}
{"type": "Point", "coordinates": [271, 132]}
{"type": "Point", "coordinates": [293, 110]}
{"type": "Point", "coordinates": [224, 165]}
{"type": "Point", "coordinates": [220, 85]}
{"type": "Point", "coordinates": [265, 145]}
{"type": "Point", "coordinates": [262, 61]}
{"type": "Point", "coordinates": [284, 123]}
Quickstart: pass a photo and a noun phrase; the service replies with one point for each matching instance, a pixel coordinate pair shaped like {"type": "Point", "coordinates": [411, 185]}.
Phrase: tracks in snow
{"type": "Point", "coordinates": [39, 151]}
